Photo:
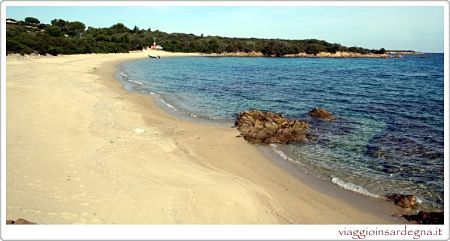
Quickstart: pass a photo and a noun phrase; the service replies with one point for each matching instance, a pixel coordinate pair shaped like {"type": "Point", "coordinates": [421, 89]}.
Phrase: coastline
{"type": "Point", "coordinates": [112, 156]}
{"type": "Point", "coordinates": [303, 55]}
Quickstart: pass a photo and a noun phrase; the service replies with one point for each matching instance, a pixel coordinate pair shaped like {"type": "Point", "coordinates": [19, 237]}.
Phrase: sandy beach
{"type": "Point", "coordinates": [81, 149]}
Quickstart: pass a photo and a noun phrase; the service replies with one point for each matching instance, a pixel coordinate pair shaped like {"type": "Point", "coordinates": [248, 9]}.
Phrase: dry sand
{"type": "Point", "coordinates": [80, 149]}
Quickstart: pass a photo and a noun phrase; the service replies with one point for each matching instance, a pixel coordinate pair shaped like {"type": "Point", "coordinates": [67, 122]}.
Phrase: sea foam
{"type": "Point", "coordinates": [135, 81]}
{"type": "Point", "coordinates": [281, 153]}
{"type": "Point", "coordinates": [352, 187]}
{"type": "Point", "coordinates": [335, 180]}
{"type": "Point", "coordinates": [167, 104]}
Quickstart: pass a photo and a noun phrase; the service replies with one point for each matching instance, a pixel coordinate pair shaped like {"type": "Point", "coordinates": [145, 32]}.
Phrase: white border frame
{"type": "Point", "coordinates": [211, 232]}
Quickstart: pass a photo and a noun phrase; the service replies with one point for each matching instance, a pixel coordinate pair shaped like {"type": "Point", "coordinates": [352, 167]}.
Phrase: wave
{"type": "Point", "coordinates": [167, 104]}
{"type": "Point", "coordinates": [281, 153]}
{"type": "Point", "coordinates": [335, 180]}
{"type": "Point", "coordinates": [352, 187]}
{"type": "Point", "coordinates": [135, 81]}
{"type": "Point", "coordinates": [123, 74]}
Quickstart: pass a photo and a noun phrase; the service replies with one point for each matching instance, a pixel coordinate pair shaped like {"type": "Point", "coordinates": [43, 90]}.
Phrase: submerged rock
{"type": "Point", "coordinates": [403, 201]}
{"type": "Point", "coordinates": [19, 221]}
{"type": "Point", "coordinates": [426, 218]}
{"type": "Point", "coordinates": [262, 127]}
{"type": "Point", "coordinates": [321, 113]}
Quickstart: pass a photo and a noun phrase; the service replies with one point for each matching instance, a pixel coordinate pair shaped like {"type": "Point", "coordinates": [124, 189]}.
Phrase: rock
{"type": "Point", "coordinates": [403, 201]}
{"type": "Point", "coordinates": [426, 218]}
{"type": "Point", "coordinates": [267, 127]}
{"type": "Point", "coordinates": [321, 113]}
{"type": "Point", "coordinates": [19, 221]}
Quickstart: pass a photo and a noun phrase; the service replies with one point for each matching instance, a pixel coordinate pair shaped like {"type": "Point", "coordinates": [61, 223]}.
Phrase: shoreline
{"type": "Point", "coordinates": [246, 54]}
{"type": "Point", "coordinates": [175, 170]}
{"type": "Point", "coordinates": [359, 200]}
{"type": "Point", "coordinates": [303, 55]}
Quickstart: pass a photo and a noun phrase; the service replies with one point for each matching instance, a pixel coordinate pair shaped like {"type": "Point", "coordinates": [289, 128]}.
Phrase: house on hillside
{"type": "Point", "coordinates": [154, 46]}
{"type": "Point", "coordinates": [11, 21]}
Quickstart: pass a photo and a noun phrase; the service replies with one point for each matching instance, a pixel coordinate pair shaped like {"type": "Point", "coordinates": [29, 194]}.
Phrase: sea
{"type": "Point", "coordinates": [388, 135]}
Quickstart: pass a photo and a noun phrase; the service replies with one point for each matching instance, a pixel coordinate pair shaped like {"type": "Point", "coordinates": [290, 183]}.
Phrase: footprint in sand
{"type": "Point", "coordinates": [194, 137]}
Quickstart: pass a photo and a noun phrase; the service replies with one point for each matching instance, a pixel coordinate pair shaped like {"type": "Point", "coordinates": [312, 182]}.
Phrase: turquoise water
{"type": "Point", "coordinates": [389, 132]}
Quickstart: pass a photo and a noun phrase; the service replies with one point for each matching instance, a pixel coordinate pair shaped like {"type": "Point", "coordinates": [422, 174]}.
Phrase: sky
{"type": "Point", "coordinates": [415, 28]}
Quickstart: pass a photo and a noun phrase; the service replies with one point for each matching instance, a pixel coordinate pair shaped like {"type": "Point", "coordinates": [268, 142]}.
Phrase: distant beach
{"type": "Point", "coordinates": [81, 149]}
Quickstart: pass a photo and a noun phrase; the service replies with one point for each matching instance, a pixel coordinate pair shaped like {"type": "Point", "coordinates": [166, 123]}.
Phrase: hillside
{"type": "Point", "coordinates": [64, 37]}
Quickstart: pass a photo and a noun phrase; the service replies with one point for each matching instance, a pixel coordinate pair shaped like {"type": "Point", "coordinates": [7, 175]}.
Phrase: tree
{"type": "Point", "coordinates": [119, 28]}
{"type": "Point", "coordinates": [333, 48]}
{"type": "Point", "coordinates": [51, 39]}
{"type": "Point", "coordinates": [13, 46]}
{"type": "Point", "coordinates": [42, 26]}
{"type": "Point", "coordinates": [315, 49]}
{"type": "Point", "coordinates": [381, 51]}
{"type": "Point", "coordinates": [59, 23]}
{"type": "Point", "coordinates": [53, 31]}
{"type": "Point", "coordinates": [136, 29]}
{"type": "Point", "coordinates": [213, 45]}
{"type": "Point", "coordinates": [75, 28]}
{"type": "Point", "coordinates": [278, 48]}
{"type": "Point", "coordinates": [32, 21]}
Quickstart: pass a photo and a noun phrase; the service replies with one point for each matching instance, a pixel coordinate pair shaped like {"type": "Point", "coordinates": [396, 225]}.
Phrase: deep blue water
{"type": "Point", "coordinates": [389, 135]}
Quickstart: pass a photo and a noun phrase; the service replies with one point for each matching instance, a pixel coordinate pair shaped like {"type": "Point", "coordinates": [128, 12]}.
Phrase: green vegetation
{"type": "Point", "coordinates": [64, 37]}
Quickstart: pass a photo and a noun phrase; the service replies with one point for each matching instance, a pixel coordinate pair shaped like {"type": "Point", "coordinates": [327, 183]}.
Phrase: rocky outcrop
{"type": "Point", "coordinates": [261, 127]}
{"type": "Point", "coordinates": [304, 55]}
{"type": "Point", "coordinates": [239, 54]}
{"type": "Point", "coordinates": [321, 113]}
{"type": "Point", "coordinates": [426, 218]}
{"type": "Point", "coordinates": [19, 221]}
{"type": "Point", "coordinates": [410, 202]}
{"type": "Point", "coordinates": [338, 55]}
{"type": "Point", "coordinates": [403, 201]}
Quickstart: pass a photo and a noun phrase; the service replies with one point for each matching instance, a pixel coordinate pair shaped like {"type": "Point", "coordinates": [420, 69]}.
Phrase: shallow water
{"type": "Point", "coordinates": [389, 132]}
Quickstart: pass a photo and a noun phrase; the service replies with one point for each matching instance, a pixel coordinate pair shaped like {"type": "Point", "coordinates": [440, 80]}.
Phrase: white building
{"type": "Point", "coordinates": [156, 47]}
